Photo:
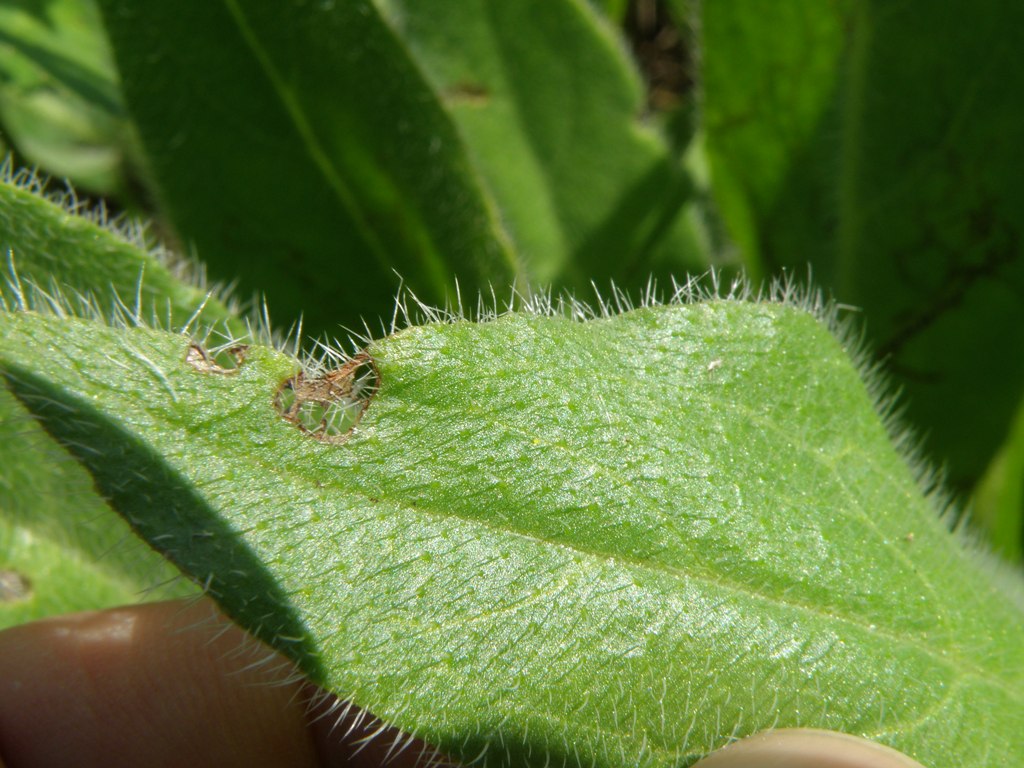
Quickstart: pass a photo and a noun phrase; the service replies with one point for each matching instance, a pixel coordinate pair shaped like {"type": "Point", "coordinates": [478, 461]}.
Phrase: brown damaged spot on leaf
{"type": "Point", "coordinates": [328, 407]}
{"type": "Point", "coordinates": [467, 93]}
{"type": "Point", "coordinates": [14, 587]}
{"type": "Point", "coordinates": [225, 362]}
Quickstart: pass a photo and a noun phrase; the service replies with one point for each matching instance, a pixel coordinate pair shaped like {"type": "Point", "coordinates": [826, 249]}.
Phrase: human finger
{"type": "Point", "coordinates": [806, 748]}
{"type": "Point", "coordinates": [161, 684]}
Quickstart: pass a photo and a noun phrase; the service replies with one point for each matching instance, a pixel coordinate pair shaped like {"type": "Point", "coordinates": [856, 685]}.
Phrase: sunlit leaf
{"type": "Point", "coordinates": [620, 541]}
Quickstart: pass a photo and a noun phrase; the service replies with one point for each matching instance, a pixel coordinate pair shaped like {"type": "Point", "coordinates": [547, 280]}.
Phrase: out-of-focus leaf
{"type": "Point", "coordinates": [998, 501]}
{"type": "Point", "coordinates": [551, 111]}
{"type": "Point", "coordinates": [880, 144]}
{"type": "Point", "coordinates": [771, 78]}
{"type": "Point", "coordinates": [613, 9]}
{"type": "Point", "coordinates": [932, 241]}
{"type": "Point", "coordinates": [299, 150]}
{"type": "Point", "coordinates": [59, 99]}
{"type": "Point", "coordinates": [621, 542]}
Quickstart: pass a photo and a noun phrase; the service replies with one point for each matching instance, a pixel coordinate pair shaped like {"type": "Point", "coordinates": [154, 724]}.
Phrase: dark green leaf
{"type": "Point", "coordinates": [771, 83]}
{"type": "Point", "coordinates": [932, 242]}
{"type": "Point", "coordinates": [297, 148]}
{"type": "Point", "coordinates": [880, 144]}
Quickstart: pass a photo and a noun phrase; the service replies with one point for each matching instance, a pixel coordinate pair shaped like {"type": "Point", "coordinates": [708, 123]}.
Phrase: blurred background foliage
{"type": "Point", "coordinates": [315, 152]}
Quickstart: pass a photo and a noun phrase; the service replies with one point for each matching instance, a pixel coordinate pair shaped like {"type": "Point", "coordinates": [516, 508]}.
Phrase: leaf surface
{"type": "Point", "coordinates": [998, 502]}
{"type": "Point", "coordinates": [932, 242]}
{"type": "Point", "coordinates": [59, 539]}
{"type": "Point", "coordinates": [620, 541]}
{"type": "Point", "coordinates": [771, 86]}
{"type": "Point", "coordinates": [87, 264]}
{"type": "Point", "coordinates": [62, 548]}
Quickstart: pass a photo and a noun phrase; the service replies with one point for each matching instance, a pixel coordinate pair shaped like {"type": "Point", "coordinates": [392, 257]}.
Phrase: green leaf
{"type": "Point", "coordinates": [61, 547]}
{"type": "Point", "coordinates": [552, 113]}
{"type": "Point", "coordinates": [621, 541]}
{"type": "Point", "coordinates": [998, 501]}
{"type": "Point", "coordinates": [59, 99]}
{"type": "Point", "coordinates": [59, 539]}
{"type": "Point", "coordinates": [89, 264]}
{"type": "Point", "coordinates": [298, 149]}
{"type": "Point", "coordinates": [770, 87]}
{"type": "Point", "coordinates": [613, 9]}
{"type": "Point", "coordinates": [932, 241]}
{"type": "Point", "coordinates": [845, 135]}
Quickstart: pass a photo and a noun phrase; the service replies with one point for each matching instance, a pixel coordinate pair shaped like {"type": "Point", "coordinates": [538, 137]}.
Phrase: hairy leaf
{"type": "Point", "coordinates": [58, 537]}
{"type": "Point", "coordinates": [621, 541]}
{"type": "Point", "coordinates": [73, 257]}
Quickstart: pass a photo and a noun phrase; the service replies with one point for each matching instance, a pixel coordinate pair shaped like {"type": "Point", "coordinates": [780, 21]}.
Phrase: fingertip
{"type": "Point", "coordinates": [806, 748]}
{"type": "Point", "coordinates": [158, 684]}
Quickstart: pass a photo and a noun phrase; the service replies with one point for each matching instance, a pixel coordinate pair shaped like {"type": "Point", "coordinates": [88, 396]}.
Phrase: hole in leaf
{"type": "Point", "coordinates": [220, 360]}
{"type": "Point", "coordinates": [329, 406]}
{"type": "Point", "coordinates": [14, 587]}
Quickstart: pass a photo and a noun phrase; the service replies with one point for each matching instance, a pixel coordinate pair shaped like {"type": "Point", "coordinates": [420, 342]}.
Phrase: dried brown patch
{"type": "Point", "coordinates": [14, 587]}
{"type": "Point", "coordinates": [465, 92]}
{"type": "Point", "coordinates": [329, 407]}
{"type": "Point", "coordinates": [230, 360]}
